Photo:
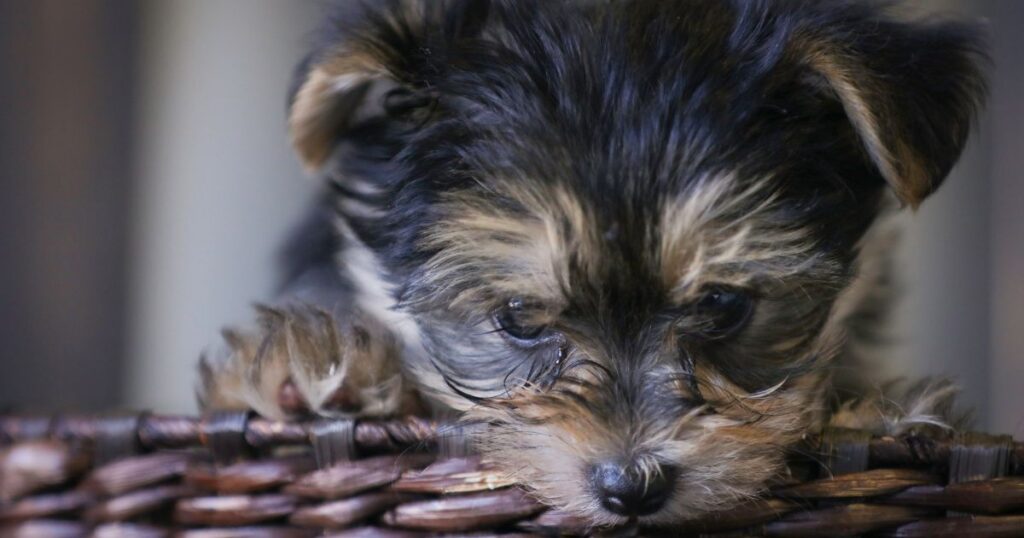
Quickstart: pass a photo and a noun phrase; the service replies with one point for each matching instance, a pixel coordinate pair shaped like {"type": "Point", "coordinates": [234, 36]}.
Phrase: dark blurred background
{"type": "Point", "coordinates": [146, 182]}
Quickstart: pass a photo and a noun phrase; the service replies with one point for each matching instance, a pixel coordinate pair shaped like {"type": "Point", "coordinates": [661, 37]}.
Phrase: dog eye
{"type": "Point", "coordinates": [512, 320]}
{"type": "Point", "coordinates": [723, 312]}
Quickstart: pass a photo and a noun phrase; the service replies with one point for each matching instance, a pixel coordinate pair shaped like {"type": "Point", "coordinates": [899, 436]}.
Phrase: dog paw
{"type": "Point", "coordinates": [927, 406]}
{"type": "Point", "coordinates": [301, 360]}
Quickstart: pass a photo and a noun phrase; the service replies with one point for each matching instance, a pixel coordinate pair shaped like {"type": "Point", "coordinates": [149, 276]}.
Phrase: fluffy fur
{"type": "Point", "coordinates": [623, 231]}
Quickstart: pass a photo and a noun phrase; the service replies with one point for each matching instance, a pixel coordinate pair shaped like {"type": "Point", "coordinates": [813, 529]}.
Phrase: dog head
{"type": "Point", "coordinates": [621, 228]}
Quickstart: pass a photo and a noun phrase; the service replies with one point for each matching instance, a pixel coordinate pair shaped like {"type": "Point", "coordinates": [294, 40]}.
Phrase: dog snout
{"type": "Point", "coordinates": [626, 489]}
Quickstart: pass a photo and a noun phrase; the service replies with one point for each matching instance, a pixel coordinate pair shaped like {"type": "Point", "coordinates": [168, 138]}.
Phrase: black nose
{"type": "Point", "coordinates": [626, 490]}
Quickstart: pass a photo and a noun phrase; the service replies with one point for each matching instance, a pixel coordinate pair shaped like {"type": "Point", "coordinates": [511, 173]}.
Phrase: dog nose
{"type": "Point", "coordinates": [625, 490]}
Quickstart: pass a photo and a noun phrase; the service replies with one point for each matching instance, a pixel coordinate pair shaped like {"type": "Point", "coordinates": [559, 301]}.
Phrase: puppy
{"type": "Point", "coordinates": [628, 239]}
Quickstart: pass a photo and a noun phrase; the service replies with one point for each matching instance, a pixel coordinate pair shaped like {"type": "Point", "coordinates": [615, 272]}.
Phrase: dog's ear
{"type": "Point", "coordinates": [911, 90]}
{"type": "Point", "coordinates": [326, 102]}
{"type": "Point", "coordinates": [367, 56]}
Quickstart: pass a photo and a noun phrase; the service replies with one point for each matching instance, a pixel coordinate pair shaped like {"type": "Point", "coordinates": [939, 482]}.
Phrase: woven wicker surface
{"type": "Point", "coordinates": [229, 475]}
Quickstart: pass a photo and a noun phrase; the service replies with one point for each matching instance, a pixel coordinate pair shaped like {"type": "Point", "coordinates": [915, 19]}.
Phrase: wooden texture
{"type": "Point", "coordinates": [161, 477]}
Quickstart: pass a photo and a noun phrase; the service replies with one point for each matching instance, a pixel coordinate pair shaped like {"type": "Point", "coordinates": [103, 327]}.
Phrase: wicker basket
{"type": "Point", "coordinates": [231, 475]}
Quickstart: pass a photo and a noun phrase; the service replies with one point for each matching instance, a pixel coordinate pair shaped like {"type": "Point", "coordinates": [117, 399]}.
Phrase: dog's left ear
{"type": "Point", "coordinates": [326, 103]}
{"type": "Point", "coordinates": [375, 60]}
{"type": "Point", "coordinates": [911, 90]}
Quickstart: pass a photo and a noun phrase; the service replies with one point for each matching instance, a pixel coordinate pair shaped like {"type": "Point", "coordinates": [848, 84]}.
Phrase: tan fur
{"type": "Point", "coordinates": [513, 252]}
{"type": "Point", "coordinates": [726, 457]}
{"type": "Point", "coordinates": [320, 110]}
{"type": "Point", "coordinates": [704, 235]}
{"type": "Point", "coordinates": [897, 408]}
{"type": "Point", "coordinates": [346, 370]}
{"type": "Point", "coordinates": [859, 94]}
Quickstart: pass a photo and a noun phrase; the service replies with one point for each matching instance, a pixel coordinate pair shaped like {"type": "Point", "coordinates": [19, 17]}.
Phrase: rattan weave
{"type": "Point", "coordinates": [232, 475]}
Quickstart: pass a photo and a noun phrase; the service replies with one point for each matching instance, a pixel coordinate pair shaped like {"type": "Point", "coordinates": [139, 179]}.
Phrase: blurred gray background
{"type": "Point", "coordinates": [146, 183]}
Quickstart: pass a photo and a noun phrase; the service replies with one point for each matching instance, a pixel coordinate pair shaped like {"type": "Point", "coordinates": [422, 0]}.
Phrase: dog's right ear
{"type": "Point", "coordinates": [383, 52]}
{"type": "Point", "coordinates": [911, 89]}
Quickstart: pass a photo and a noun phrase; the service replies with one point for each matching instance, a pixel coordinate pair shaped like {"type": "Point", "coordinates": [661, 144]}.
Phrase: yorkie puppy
{"type": "Point", "coordinates": [628, 239]}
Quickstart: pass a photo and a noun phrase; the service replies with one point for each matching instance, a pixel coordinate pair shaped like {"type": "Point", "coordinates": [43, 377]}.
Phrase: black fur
{"type": "Point", "coordinates": [629, 102]}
